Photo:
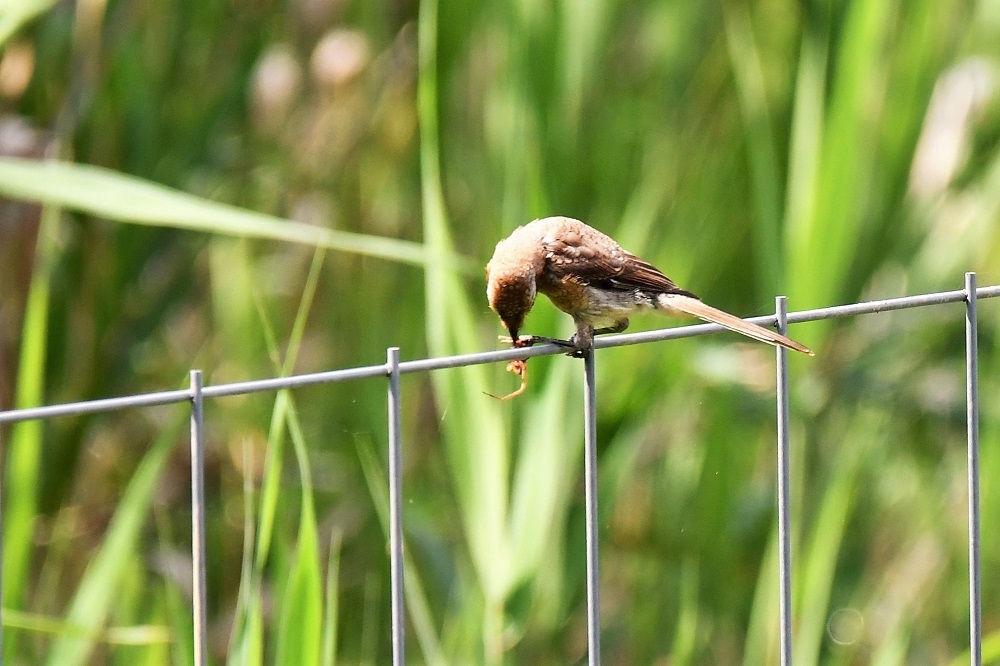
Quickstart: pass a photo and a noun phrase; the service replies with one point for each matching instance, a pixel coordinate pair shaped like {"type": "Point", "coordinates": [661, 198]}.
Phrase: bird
{"type": "Point", "coordinates": [589, 276]}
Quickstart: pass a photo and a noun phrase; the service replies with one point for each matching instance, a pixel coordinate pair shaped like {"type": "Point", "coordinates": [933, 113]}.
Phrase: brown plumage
{"type": "Point", "coordinates": [587, 275]}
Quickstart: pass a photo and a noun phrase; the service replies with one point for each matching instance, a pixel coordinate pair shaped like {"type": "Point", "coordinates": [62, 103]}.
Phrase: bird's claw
{"type": "Point", "coordinates": [532, 340]}
{"type": "Point", "coordinates": [580, 348]}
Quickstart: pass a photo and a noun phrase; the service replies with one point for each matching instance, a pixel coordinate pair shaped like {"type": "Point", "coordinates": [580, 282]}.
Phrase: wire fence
{"type": "Point", "coordinates": [393, 368]}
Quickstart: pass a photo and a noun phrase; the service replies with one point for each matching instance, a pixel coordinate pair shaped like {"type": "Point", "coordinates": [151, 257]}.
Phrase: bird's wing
{"type": "Point", "coordinates": [601, 262]}
{"type": "Point", "coordinates": [637, 273]}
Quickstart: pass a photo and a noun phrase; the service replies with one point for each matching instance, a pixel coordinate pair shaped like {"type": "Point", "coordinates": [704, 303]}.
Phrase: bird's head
{"type": "Point", "coordinates": [511, 295]}
{"type": "Point", "coordinates": [511, 275]}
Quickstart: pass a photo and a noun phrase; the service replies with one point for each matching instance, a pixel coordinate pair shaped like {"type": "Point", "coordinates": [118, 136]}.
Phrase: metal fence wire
{"type": "Point", "coordinates": [393, 368]}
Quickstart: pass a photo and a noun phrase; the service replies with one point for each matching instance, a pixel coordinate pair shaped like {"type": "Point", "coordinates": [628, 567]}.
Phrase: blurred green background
{"type": "Point", "coordinates": [267, 187]}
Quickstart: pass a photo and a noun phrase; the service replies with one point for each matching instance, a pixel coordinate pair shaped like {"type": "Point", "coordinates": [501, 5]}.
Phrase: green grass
{"type": "Point", "coordinates": [749, 149]}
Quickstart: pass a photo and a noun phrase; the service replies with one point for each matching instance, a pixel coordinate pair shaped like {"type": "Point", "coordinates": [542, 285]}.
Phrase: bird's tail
{"type": "Point", "coordinates": [692, 306]}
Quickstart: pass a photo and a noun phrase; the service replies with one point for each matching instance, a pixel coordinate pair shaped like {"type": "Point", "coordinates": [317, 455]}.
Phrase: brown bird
{"type": "Point", "coordinates": [587, 275]}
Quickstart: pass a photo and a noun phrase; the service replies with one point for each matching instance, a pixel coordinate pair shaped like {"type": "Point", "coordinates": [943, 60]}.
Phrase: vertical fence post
{"type": "Point", "coordinates": [198, 587]}
{"type": "Point", "coordinates": [2, 460]}
{"type": "Point", "coordinates": [395, 511]}
{"type": "Point", "coordinates": [972, 415]}
{"type": "Point", "coordinates": [590, 482]}
{"type": "Point", "coordinates": [784, 517]}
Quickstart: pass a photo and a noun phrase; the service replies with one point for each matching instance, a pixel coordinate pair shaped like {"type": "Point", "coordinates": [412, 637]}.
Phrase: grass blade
{"type": "Point", "coordinates": [761, 152]}
{"type": "Point", "coordinates": [417, 602]}
{"type": "Point", "coordinates": [332, 609]}
{"type": "Point", "coordinates": [130, 635]}
{"type": "Point", "coordinates": [480, 472]}
{"type": "Point", "coordinates": [117, 196]}
{"type": "Point", "coordinates": [300, 633]}
{"type": "Point", "coordinates": [22, 465]}
{"type": "Point", "coordinates": [92, 601]}
{"type": "Point", "coordinates": [16, 13]}
{"type": "Point", "coordinates": [820, 260]}
{"type": "Point", "coordinates": [246, 646]}
{"type": "Point", "coordinates": [817, 568]}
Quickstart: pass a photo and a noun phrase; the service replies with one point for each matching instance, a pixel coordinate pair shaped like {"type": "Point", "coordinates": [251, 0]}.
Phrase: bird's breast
{"type": "Point", "coordinates": [593, 305]}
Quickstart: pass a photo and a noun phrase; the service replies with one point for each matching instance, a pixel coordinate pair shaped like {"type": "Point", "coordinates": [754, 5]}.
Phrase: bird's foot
{"type": "Point", "coordinates": [580, 346]}
{"type": "Point", "coordinates": [532, 340]}
{"type": "Point", "coordinates": [582, 342]}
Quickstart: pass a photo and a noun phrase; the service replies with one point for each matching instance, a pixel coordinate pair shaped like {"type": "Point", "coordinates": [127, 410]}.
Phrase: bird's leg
{"type": "Point", "coordinates": [618, 327]}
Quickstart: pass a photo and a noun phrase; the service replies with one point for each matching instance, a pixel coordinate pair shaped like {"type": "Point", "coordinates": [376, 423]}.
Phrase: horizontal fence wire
{"type": "Point", "coordinates": [394, 368]}
{"type": "Point", "coordinates": [462, 360]}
